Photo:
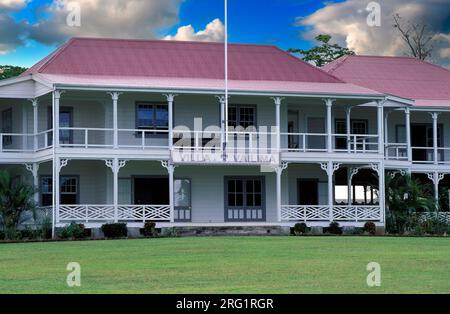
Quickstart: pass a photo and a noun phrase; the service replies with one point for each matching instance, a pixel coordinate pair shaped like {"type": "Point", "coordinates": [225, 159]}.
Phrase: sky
{"type": "Point", "coordinates": [31, 29]}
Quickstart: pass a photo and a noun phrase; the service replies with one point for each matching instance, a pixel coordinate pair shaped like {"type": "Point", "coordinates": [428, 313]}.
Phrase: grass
{"type": "Point", "coordinates": [229, 265]}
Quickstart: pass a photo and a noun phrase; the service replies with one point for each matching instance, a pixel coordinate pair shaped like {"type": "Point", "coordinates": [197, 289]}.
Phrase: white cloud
{"type": "Point", "coordinates": [347, 23]}
{"type": "Point", "coordinates": [13, 4]}
{"type": "Point", "coordinates": [107, 18]}
{"type": "Point", "coordinates": [214, 31]}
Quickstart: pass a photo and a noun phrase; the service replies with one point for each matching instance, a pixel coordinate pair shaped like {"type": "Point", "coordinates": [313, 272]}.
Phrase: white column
{"type": "Point", "coordinates": [330, 188]}
{"type": "Point", "coordinates": [116, 189]}
{"type": "Point", "coordinates": [329, 104]}
{"type": "Point", "coordinates": [34, 102]}
{"type": "Point", "coordinates": [170, 99]}
{"type": "Point", "coordinates": [57, 96]}
{"type": "Point", "coordinates": [36, 181]}
{"type": "Point", "coordinates": [386, 137]}
{"type": "Point", "coordinates": [170, 169]}
{"type": "Point", "coordinates": [56, 187]}
{"type": "Point", "coordinates": [408, 133]}
{"type": "Point", "coordinates": [349, 186]}
{"type": "Point", "coordinates": [115, 99]}
{"type": "Point", "coordinates": [436, 188]}
{"type": "Point", "coordinates": [277, 101]}
{"type": "Point", "coordinates": [434, 116]}
{"type": "Point", "coordinates": [380, 127]}
{"type": "Point", "coordinates": [278, 174]}
{"type": "Point", "coordinates": [349, 127]}
{"type": "Point", "coordinates": [381, 187]}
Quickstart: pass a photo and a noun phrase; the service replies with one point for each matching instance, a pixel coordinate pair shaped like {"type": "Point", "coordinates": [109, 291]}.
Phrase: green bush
{"type": "Point", "coordinates": [430, 226]}
{"type": "Point", "coordinates": [28, 234]}
{"type": "Point", "coordinates": [72, 231]}
{"type": "Point", "coordinates": [334, 228]}
{"type": "Point", "coordinates": [2, 235]}
{"type": "Point", "coordinates": [300, 228]}
{"type": "Point", "coordinates": [149, 229]}
{"type": "Point", "coordinates": [370, 228]}
{"type": "Point", "coordinates": [115, 230]}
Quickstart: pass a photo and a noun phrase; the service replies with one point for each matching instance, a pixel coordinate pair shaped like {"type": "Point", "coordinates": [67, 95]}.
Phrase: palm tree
{"type": "Point", "coordinates": [405, 196]}
{"type": "Point", "coordinates": [16, 197]}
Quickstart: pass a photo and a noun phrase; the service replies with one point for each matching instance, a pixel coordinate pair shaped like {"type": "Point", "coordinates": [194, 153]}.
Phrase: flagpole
{"type": "Point", "coordinates": [226, 71]}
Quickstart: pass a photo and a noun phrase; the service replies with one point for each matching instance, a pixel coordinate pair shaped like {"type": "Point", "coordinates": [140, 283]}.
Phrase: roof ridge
{"type": "Point", "coordinates": [169, 41]}
{"type": "Point", "coordinates": [54, 55]}
{"type": "Point", "coordinates": [309, 64]}
{"type": "Point", "coordinates": [335, 64]}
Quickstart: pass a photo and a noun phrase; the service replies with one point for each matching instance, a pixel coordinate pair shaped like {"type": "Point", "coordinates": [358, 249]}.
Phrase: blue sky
{"type": "Point", "coordinates": [31, 29]}
{"type": "Point", "coordinates": [250, 21]}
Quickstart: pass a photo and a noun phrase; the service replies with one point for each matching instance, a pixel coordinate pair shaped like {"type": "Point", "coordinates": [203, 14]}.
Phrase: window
{"type": "Point", "coordinates": [152, 116]}
{"type": "Point", "coordinates": [46, 191]}
{"type": "Point", "coordinates": [7, 126]}
{"type": "Point", "coordinates": [244, 199]}
{"type": "Point", "coordinates": [241, 115]}
{"type": "Point", "coordinates": [340, 126]}
{"type": "Point", "coordinates": [68, 190]}
{"type": "Point", "coordinates": [65, 121]}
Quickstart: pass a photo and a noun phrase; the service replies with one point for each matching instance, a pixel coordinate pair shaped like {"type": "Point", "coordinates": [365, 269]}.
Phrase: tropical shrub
{"type": "Point", "coordinates": [149, 229]}
{"type": "Point", "coordinates": [334, 228]}
{"type": "Point", "coordinates": [16, 198]}
{"type": "Point", "coordinates": [72, 231]}
{"type": "Point", "coordinates": [115, 230]}
{"type": "Point", "coordinates": [300, 228]}
{"type": "Point", "coordinates": [370, 228]}
{"type": "Point", "coordinates": [404, 197]}
{"type": "Point", "coordinates": [45, 229]}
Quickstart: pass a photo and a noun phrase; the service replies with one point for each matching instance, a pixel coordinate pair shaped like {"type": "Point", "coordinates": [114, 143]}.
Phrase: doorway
{"type": "Point", "coordinates": [151, 190]}
{"type": "Point", "coordinates": [308, 191]}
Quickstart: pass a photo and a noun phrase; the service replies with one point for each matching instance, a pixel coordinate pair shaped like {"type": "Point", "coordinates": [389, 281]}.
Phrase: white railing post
{"type": "Point", "coordinates": [86, 138]}
{"type": "Point", "coordinates": [1, 142]}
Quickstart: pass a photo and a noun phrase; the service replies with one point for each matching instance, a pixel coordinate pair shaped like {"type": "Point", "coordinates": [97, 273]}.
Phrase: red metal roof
{"type": "Point", "coordinates": [177, 59]}
{"type": "Point", "coordinates": [426, 83]}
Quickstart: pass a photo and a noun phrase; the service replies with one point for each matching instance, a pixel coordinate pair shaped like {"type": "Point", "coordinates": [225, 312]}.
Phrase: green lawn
{"type": "Point", "coordinates": [229, 265]}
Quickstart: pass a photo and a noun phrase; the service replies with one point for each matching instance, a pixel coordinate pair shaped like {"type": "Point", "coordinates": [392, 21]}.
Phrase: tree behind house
{"type": "Point", "coordinates": [8, 71]}
{"type": "Point", "coordinates": [324, 53]}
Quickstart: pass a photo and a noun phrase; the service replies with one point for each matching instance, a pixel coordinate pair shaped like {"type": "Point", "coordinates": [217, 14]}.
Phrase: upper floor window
{"type": "Point", "coordinates": [241, 115]}
{"type": "Point", "coordinates": [7, 126]}
{"type": "Point", "coordinates": [152, 116]}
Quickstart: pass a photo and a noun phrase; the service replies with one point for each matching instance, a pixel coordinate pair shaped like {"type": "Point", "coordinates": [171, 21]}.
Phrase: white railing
{"type": "Point", "coordinates": [86, 137]}
{"type": "Point", "coordinates": [143, 212]}
{"type": "Point", "coordinates": [396, 151]}
{"type": "Point", "coordinates": [304, 142]}
{"type": "Point", "coordinates": [351, 213]}
{"type": "Point", "coordinates": [107, 213]}
{"type": "Point", "coordinates": [305, 213]}
{"type": "Point", "coordinates": [25, 142]}
{"type": "Point", "coordinates": [143, 139]}
{"type": "Point", "coordinates": [356, 143]}
{"type": "Point", "coordinates": [443, 216]}
{"type": "Point", "coordinates": [317, 142]}
{"type": "Point", "coordinates": [356, 213]}
{"type": "Point", "coordinates": [86, 213]}
{"type": "Point", "coordinates": [241, 147]}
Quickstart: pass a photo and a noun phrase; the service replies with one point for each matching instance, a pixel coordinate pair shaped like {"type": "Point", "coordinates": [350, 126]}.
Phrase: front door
{"type": "Point", "coordinates": [151, 191]}
{"type": "Point", "coordinates": [308, 192]}
{"type": "Point", "coordinates": [244, 199]}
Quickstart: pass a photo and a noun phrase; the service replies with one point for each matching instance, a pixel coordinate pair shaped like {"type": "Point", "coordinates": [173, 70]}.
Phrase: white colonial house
{"type": "Point", "coordinates": [134, 131]}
